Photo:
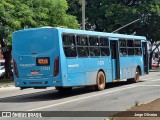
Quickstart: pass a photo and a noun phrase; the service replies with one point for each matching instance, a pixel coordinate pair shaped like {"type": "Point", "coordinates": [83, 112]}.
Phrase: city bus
{"type": "Point", "coordinates": [65, 58]}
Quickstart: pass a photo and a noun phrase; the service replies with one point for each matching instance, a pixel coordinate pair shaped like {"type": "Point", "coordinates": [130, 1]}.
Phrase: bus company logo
{"type": "Point", "coordinates": [6, 114]}
{"type": "Point", "coordinates": [27, 65]}
{"type": "Point", "coordinates": [73, 65]}
{"type": "Point", "coordinates": [100, 62]}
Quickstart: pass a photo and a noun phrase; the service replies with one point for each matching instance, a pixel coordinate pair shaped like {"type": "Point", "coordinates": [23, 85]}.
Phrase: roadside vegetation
{"type": "Point", "coordinates": [6, 82]}
{"type": "Point", "coordinates": [24, 14]}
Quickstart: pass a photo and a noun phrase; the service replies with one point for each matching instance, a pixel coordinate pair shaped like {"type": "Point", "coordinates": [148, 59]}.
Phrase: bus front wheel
{"type": "Point", "coordinates": [101, 81]}
{"type": "Point", "coordinates": [136, 78]}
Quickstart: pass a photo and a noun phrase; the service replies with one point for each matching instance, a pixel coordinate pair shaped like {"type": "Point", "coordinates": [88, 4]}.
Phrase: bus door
{"type": "Point", "coordinates": [115, 59]}
{"type": "Point", "coordinates": [145, 57]}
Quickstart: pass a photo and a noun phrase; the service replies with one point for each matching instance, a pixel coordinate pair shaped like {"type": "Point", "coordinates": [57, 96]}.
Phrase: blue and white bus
{"type": "Point", "coordinates": [64, 58]}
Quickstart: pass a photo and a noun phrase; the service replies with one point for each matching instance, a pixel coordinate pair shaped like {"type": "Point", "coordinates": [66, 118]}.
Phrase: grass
{"type": "Point", "coordinates": [111, 118]}
{"type": "Point", "coordinates": [6, 82]}
{"type": "Point", "coordinates": [136, 103]}
{"type": "Point", "coordinates": [155, 68]}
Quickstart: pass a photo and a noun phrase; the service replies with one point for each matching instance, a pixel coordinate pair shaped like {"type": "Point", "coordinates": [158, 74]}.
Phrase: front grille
{"type": "Point", "coordinates": [35, 83]}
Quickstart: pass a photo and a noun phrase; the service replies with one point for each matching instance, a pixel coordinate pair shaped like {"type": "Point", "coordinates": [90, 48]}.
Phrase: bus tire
{"type": "Point", "coordinates": [101, 81]}
{"type": "Point", "coordinates": [63, 89]}
{"type": "Point", "coordinates": [136, 78]}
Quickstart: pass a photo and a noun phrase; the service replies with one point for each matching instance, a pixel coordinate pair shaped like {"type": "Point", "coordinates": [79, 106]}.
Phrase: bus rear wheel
{"type": "Point", "coordinates": [101, 81]}
{"type": "Point", "coordinates": [136, 78]}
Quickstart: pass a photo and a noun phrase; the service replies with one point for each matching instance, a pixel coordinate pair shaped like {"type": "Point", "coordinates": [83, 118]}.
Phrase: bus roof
{"type": "Point", "coordinates": [85, 32]}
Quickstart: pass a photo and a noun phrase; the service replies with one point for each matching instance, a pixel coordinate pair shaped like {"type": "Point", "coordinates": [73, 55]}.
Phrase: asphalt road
{"type": "Point", "coordinates": [116, 97]}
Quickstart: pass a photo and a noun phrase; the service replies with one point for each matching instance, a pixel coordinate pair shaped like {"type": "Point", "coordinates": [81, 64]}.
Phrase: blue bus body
{"type": "Point", "coordinates": [43, 57]}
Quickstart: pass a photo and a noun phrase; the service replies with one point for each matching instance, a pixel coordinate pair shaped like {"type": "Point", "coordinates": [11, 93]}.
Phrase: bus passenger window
{"type": "Point", "coordinates": [83, 52]}
{"type": "Point", "coordinates": [104, 46]}
{"type": "Point", "coordinates": [137, 43]}
{"type": "Point", "coordinates": [94, 51]}
{"type": "Point", "coordinates": [123, 52]}
{"type": "Point", "coordinates": [82, 46]}
{"type": "Point", "coordinates": [70, 51]}
{"type": "Point", "coordinates": [94, 46]}
{"type": "Point", "coordinates": [130, 51]}
{"type": "Point", "coordinates": [105, 51]}
{"type": "Point", "coordinates": [130, 43]}
{"type": "Point", "coordinates": [93, 41]}
{"type": "Point", "coordinates": [138, 51]}
{"type": "Point", "coordinates": [69, 45]}
{"type": "Point", "coordinates": [82, 41]}
{"type": "Point", "coordinates": [68, 40]}
{"type": "Point", "coordinates": [122, 43]}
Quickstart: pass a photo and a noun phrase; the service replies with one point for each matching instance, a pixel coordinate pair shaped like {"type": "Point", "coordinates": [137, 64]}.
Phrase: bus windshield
{"type": "Point", "coordinates": [29, 43]}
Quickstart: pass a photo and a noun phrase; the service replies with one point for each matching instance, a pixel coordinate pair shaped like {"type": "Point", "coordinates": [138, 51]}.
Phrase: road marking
{"type": "Point", "coordinates": [155, 80]}
{"type": "Point", "coordinates": [148, 85]}
{"type": "Point", "coordinates": [74, 100]}
{"type": "Point", "coordinates": [148, 78]}
{"type": "Point", "coordinates": [151, 80]}
{"type": "Point", "coordinates": [108, 92]}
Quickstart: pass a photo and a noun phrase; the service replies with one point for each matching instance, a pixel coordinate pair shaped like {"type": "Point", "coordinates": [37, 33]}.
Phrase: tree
{"type": "Point", "coordinates": [22, 14]}
{"type": "Point", "coordinates": [108, 15]}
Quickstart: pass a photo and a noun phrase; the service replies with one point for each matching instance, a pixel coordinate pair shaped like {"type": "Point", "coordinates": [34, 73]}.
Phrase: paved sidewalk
{"type": "Point", "coordinates": [8, 88]}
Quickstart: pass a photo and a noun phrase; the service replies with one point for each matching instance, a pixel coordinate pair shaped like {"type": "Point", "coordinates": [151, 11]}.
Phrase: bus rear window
{"type": "Point", "coordinates": [38, 41]}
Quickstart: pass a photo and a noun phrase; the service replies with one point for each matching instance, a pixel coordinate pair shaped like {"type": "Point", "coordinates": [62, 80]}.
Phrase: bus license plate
{"type": "Point", "coordinates": [42, 61]}
{"type": "Point", "coordinates": [34, 72]}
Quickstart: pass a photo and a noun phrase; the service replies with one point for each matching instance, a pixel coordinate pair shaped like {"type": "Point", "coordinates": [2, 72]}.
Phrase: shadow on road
{"type": "Point", "coordinates": [54, 94]}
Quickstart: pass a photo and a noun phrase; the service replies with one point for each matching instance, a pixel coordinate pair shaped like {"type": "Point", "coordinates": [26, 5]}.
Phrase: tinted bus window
{"type": "Point", "coordinates": [82, 41]}
{"type": "Point", "coordinates": [82, 46]}
{"type": "Point", "coordinates": [83, 52]}
{"type": "Point", "coordinates": [69, 45]}
{"type": "Point", "coordinates": [122, 43]}
{"type": "Point", "coordinates": [69, 40]}
{"type": "Point", "coordinates": [137, 51]}
{"type": "Point", "coordinates": [94, 46]}
{"type": "Point", "coordinates": [104, 46]}
{"type": "Point", "coordinates": [104, 41]}
{"type": "Point", "coordinates": [130, 51]}
{"type": "Point", "coordinates": [94, 51]}
{"type": "Point", "coordinates": [123, 51]}
{"type": "Point", "coordinates": [130, 43]}
{"type": "Point", "coordinates": [123, 47]}
{"type": "Point", "coordinates": [137, 43]}
{"type": "Point", "coordinates": [105, 51]}
{"type": "Point", "coordinates": [93, 41]}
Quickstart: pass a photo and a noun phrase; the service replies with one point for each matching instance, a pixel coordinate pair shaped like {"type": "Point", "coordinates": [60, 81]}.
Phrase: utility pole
{"type": "Point", "coordinates": [83, 14]}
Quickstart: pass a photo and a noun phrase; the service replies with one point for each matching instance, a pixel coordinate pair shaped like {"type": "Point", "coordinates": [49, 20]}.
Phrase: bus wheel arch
{"type": "Point", "coordinates": [100, 80]}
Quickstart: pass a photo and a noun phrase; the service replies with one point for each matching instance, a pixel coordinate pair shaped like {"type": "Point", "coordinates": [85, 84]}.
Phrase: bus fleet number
{"type": "Point", "coordinates": [45, 68]}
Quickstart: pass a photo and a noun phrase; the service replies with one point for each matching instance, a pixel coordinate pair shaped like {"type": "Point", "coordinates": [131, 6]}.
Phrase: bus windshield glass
{"type": "Point", "coordinates": [29, 43]}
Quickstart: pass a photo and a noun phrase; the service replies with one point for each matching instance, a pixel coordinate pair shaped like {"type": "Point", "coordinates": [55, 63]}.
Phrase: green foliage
{"type": "Point", "coordinates": [136, 104]}
{"type": "Point", "coordinates": [108, 15]}
{"type": "Point", "coordinates": [20, 14]}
